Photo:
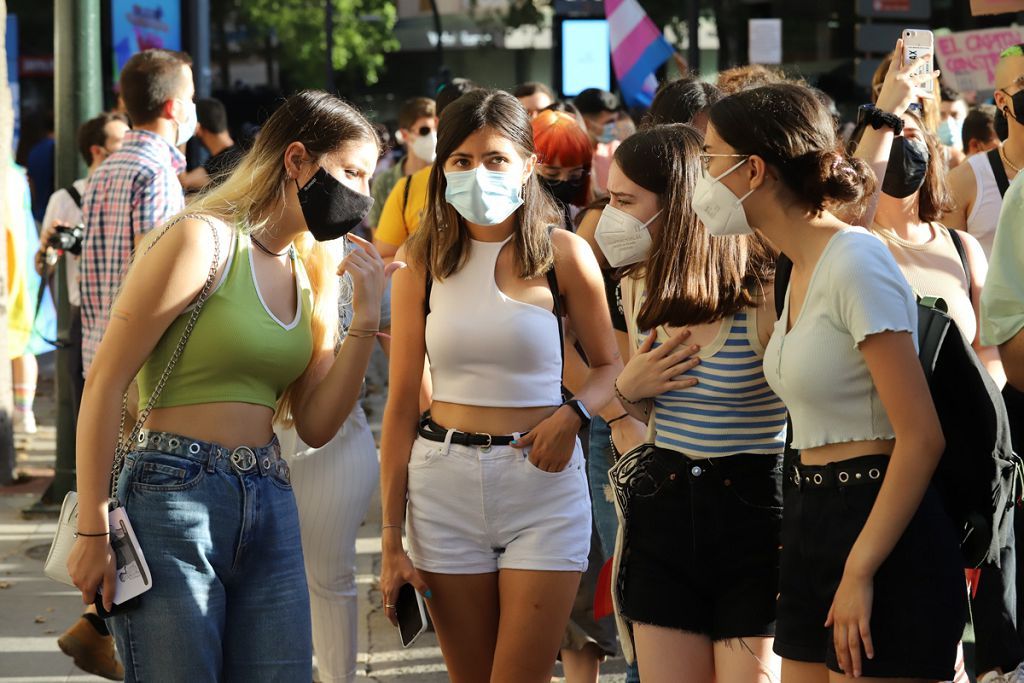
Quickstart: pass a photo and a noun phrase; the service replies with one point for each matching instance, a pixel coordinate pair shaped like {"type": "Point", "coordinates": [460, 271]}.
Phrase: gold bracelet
{"type": "Point", "coordinates": [390, 526]}
{"type": "Point", "coordinates": [366, 334]}
{"type": "Point", "coordinates": [363, 329]}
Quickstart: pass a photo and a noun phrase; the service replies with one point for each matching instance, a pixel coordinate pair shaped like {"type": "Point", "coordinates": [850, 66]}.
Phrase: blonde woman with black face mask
{"type": "Point", "coordinates": [498, 506]}
{"type": "Point", "coordinates": [205, 488]}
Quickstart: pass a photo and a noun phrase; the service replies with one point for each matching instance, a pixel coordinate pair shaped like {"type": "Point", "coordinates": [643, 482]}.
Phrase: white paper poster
{"type": "Point", "coordinates": [765, 41]}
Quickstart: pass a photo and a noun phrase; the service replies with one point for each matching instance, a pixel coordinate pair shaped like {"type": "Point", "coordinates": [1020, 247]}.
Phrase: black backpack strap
{"type": "Point", "coordinates": [76, 196]}
{"type": "Point", "coordinates": [998, 171]}
{"type": "Point", "coordinates": [427, 286]}
{"type": "Point", "coordinates": [557, 308]}
{"type": "Point", "coordinates": [783, 270]}
{"type": "Point", "coordinates": [962, 253]}
{"type": "Point", "coordinates": [558, 311]}
{"type": "Point", "coordinates": [405, 201]}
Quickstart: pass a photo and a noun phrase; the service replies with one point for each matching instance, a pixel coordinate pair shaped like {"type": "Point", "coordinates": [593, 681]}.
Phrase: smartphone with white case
{"type": "Point", "coordinates": [917, 42]}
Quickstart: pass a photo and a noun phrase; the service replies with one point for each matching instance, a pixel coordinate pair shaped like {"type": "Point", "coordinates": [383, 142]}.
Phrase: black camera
{"type": "Point", "coordinates": [67, 238]}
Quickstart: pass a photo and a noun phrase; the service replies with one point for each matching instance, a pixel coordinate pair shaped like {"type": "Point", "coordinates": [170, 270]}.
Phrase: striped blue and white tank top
{"type": "Point", "coordinates": [732, 409]}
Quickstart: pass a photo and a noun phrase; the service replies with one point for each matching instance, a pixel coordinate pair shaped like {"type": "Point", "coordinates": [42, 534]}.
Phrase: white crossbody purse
{"type": "Point", "coordinates": [56, 565]}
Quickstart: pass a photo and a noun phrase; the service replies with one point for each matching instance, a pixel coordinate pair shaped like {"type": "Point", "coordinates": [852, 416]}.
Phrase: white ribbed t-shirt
{"type": "Point", "coordinates": [855, 290]}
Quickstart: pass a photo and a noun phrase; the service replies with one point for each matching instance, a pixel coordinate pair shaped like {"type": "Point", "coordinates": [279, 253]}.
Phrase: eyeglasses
{"type": "Point", "coordinates": [705, 158]}
{"type": "Point", "coordinates": [424, 131]}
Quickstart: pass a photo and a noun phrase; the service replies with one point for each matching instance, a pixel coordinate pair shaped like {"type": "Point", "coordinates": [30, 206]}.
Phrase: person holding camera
{"type": "Point", "coordinates": [62, 229]}
{"type": "Point", "coordinates": [87, 641]}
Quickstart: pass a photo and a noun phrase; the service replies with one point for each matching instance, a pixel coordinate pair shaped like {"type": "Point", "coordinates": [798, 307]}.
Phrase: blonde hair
{"type": "Point", "coordinates": [324, 124]}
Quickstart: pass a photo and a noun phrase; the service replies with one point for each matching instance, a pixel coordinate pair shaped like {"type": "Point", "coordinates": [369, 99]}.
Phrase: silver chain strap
{"type": "Point", "coordinates": [124, 446]}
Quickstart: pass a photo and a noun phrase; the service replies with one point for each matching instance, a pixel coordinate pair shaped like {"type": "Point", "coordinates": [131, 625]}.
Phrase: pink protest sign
{"type": "Point", "coordinates": [968, 59]}
{"type": "Point", "coordinates": [996, 6]}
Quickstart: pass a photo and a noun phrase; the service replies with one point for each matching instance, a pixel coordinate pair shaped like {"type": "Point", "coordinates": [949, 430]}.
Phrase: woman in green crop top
{"type": "Point", "coordinates": [205, 488]}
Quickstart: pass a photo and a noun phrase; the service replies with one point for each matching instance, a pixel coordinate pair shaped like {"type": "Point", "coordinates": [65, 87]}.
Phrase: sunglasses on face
{"type": "Point", "coordinates": [423, 131]}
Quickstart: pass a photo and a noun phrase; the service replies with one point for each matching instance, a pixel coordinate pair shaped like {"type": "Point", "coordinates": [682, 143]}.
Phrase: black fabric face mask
{"type": "Point", "coordinates": [564, 191]}
{"type": "Point", "coordinates": [1001, 126]}
{"type": "Point", "coordinates": [330, 208]}
{"type": "Point", "coordinates": [1018, 106]}
{"type": "Point", "coordinates": [907, 167]}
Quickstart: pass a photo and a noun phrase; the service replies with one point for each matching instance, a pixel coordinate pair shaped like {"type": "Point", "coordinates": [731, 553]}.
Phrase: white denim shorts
{"type": "Point", "coordinates": [474, 511]}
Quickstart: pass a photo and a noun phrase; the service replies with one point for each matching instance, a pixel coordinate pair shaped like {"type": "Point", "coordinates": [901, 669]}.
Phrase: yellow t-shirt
{"type": "Point", "coordinates": [395, 225]}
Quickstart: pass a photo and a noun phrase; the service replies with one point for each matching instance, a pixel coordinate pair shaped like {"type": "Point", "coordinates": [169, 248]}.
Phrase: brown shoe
{"type": "Point", "coordinates": [93, 652]}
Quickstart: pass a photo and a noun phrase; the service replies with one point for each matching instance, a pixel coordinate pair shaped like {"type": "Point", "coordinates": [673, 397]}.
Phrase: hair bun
{"type": "Point", "coordinates": [832, 178]}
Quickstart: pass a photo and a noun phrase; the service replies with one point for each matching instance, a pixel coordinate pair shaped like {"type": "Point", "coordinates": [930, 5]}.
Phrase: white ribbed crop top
{"type": "Point", "coordinates": [485, 348]}
{"type": "Point", "coordinates": [856, 290]}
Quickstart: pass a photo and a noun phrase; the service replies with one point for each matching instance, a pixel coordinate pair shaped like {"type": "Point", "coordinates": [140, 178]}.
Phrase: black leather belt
{"type": "Point", "coordinates": [432, 431]}
{"type": "Point", "coordinates": [866, 469]}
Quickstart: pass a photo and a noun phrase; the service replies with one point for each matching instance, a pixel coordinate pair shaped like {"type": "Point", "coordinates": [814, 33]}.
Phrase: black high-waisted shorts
{"type": "Point", "coordinates": [919, 607]}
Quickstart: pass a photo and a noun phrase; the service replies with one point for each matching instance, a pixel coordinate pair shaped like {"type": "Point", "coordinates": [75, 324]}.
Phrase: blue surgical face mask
{"type": "Point", "coordinates": [950, 132]}
{"type": "Point", "coordinates": [608, 133]}
{"type": "Point", "coordinates": [483, 197]}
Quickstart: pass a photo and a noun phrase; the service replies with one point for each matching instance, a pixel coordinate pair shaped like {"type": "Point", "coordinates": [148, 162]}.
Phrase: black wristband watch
{"type": "Point", "coordinates": [869, 113]}
{"type": "Point", "coordinates": [580, 409]}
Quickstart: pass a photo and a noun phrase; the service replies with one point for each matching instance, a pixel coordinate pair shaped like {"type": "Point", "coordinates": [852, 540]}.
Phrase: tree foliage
{"type": "Point", "coordinates": [363, 34]}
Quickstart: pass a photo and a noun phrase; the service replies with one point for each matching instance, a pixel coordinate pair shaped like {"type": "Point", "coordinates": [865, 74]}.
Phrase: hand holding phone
{"type": "Point", "coordinates": [916, 44]}
{"type": "Point", "coordinates": [411, 613]}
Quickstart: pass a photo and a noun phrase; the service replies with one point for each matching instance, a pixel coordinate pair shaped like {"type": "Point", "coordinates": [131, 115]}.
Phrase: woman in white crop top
{"type": "Point", "coordinates": [870, 578]}
{"type": "Point", "coordinates": [696, 563]}
{"type": "Point", "coordinates": [915, 194]}
{"type": "Point", "coordinates": [491, 481]}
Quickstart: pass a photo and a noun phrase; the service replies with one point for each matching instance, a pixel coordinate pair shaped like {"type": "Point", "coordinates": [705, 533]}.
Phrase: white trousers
{"type": "Point", "coordinates": [333, 488]}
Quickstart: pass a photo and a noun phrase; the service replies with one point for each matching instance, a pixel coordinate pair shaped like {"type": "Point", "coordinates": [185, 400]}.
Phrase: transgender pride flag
{"type": "Point", "coordinates": [638, 49]}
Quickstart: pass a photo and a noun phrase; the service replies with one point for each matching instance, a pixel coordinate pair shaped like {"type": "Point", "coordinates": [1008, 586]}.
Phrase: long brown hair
{"type": "Point", "coordinates": [691, 277]}
{"type": "Point", "coordinates": [442, 242]}
{"type": "Point", "coordinates": [792, 131]}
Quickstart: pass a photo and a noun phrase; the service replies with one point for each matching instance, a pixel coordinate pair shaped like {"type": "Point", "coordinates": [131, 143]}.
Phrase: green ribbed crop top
{"type": "Point", "coordinates": [239, 351]}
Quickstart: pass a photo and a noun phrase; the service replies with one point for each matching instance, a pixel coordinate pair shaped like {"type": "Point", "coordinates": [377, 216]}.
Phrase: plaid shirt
{"type": "Point", "coordinates": [133, 191]}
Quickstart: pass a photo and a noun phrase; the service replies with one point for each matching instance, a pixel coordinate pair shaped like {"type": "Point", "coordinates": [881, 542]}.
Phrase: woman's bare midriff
{"type": "Point", "coordinates": [837, 452]}
{"type": "Point", "coordinates": [484, 420]}
{"type": "Point", "coordinates": [226, 424]}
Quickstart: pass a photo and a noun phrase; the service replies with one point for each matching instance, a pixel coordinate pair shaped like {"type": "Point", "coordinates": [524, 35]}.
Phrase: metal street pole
{"type": "Point", "coordinates": [199, 45]}
{"type": "Point", "coordinates": [440, 43]}
{"type": "Point", "coordinates": [693, 26]}
{"type": "Point", "coordinates": [329, 35]}
{"type": "Point", "coordinates": [78, 96]}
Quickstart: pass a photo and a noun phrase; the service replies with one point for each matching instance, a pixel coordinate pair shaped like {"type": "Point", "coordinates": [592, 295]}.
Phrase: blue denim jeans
{"type": "Point", "coordinates": [220, 532]}
{"type": "Point", "coordinates": [605, 520]}
{"type": "Point", "coordinates": [598, 464]}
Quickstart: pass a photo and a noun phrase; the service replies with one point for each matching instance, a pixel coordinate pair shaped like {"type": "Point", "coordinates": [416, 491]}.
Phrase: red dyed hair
{"type": "Point", "coordinates": [559, 141]}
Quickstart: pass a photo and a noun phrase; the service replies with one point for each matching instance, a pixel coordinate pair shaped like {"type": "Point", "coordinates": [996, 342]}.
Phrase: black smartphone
{"type": "Point", "coordinates": [126, 606]}
{"type": "Point", "coordinates": [411, 613]}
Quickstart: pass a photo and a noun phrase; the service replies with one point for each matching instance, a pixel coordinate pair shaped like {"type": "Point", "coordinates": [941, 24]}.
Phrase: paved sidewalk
{"type": "Point", "coordinates": [35, 610]}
